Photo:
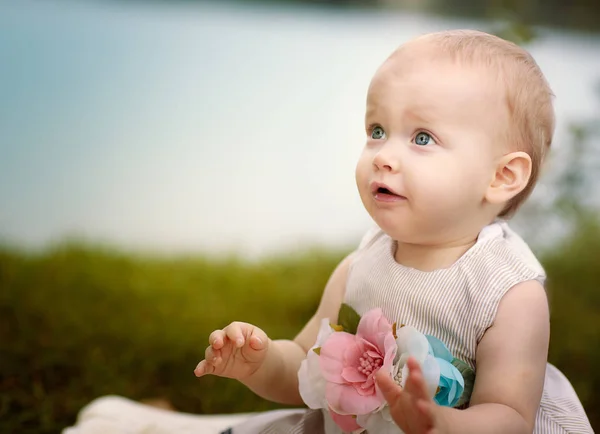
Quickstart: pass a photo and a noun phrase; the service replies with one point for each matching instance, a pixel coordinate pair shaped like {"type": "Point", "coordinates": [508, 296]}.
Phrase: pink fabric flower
{"type": "Point", "coordinates": [349, 363]}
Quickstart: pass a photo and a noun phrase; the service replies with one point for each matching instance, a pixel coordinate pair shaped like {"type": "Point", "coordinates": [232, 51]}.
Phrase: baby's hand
{"type": "Point", "coordinates": [235, 352]}
{"type": "Point", "coordinates": [412, 408]}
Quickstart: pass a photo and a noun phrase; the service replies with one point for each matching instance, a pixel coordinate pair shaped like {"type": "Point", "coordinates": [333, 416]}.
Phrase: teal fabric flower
{"type": "Point", "coordinates": [451, 384]}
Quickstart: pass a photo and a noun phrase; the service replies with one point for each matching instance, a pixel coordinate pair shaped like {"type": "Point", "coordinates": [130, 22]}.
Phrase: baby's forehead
{"type": "Point", "coordinates": [421, 66]}
{"type": "Point", "coordinates": [429, 52]}
{"type": "Point", "coordinates": [419, 85]}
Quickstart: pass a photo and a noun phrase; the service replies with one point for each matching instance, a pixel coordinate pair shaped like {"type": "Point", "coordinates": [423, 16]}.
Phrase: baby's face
{"type": "Point", "coordinates": [435, 132]}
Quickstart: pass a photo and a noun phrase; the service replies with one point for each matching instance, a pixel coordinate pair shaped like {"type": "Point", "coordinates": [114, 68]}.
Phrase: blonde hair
{"type": "Point", "coordinates": [528, 94]}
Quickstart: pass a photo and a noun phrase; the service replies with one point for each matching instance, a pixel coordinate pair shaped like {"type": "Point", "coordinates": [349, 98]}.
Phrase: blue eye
{"type": "Point", "coordinates": [423, 139]}
{"type": "Point", "coordinates": [377, 133]}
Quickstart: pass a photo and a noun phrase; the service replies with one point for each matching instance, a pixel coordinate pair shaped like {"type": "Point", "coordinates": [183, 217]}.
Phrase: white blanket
{"type": "Point", "coordinates": [114, 414]}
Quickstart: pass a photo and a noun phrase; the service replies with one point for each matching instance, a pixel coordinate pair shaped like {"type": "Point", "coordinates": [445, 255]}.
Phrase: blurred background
{"type": "Point", "coordinates": [167, 167]}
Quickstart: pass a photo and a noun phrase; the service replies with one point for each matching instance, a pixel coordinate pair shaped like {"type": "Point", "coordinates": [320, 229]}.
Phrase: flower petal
{"type": "Point", "coordinates": [332, 356]}
{"type": "Point", "coordinates": [450, 372]}
{"type": "Point", "coordinates": [345, 422]}
{"type": "Point", "coordinates": [439, 349]}
{"type": "Point", "coordinates": [441, 398]}
{"type": "Point", "coordinates": [452, 392]}
{"type": "Point", "coordinates": [404, 376]}
{"type": "Point", "coordinates": [345, 399]}
{"type": "Point", "coordinates": [411, 341]}
{"type": "Point", "coordinates": [311, 383]}
{"type": "Point", "coordinates": [353, 353]}
{"type": "Point", "coordinates": [329, 426]}
{"type": "Point", "coordinates": [431, 374]}
{"type": "Point", "coordinates": [388, 362]}
{"type": "Point", "coordinates": [451, 384]}
{"type": "Point", "coordinates": [371, 324]}
{"type": "Point", "coordinates": [402, 359]}
{"type": "Point", "coordinates": [365, 389]}
{"type": "Point", "coordinates": [378, 422]}
{"type": "Point", "coordinates": [390, 348]}
{"type": "Point", "coordinates": [325, 331]}
{"type": "Point", "coordinates": [351, 375]}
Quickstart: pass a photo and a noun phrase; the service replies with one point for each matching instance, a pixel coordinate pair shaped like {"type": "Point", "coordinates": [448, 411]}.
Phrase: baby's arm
{"type": "Point", "coordinates": [511, 365]}
{"type": "Point", "coordinates": [276, 379]}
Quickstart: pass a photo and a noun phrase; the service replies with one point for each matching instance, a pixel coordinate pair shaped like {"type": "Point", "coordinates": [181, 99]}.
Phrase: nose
{"type": "Point", "coordinates": [386, 159]}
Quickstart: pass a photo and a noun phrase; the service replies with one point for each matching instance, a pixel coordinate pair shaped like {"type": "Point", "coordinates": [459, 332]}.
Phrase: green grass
{"type": "Point", "coordinates": [78, 322]}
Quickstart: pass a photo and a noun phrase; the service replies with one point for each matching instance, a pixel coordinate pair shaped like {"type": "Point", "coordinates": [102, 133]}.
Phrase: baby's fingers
{"type": "Point", "coordinates": [212, 355]}
{"type": "Point", "coordinates": [390, 390]}
{"type": "Point", "coordinates": [234, 332]}
{"type": "Point", "coordinates": [415, 384]}
{"type": "Point", "coordinates": [256, 343]}
{"type": "Point", "coordinates": [217, 339]}
{"type": "Point", "coordinates": [204, 368]}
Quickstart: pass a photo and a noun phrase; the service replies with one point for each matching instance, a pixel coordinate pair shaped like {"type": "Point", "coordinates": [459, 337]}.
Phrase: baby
{"type": "Point", "coordinates": [457, 126]}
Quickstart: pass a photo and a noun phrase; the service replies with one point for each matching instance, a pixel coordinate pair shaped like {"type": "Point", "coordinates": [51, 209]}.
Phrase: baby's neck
{"type": "Point", "coordinates": [432, 257]}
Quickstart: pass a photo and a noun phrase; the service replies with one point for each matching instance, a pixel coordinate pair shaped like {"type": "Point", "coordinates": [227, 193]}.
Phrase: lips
{"type": "Point", "coordinates": [382, 192]}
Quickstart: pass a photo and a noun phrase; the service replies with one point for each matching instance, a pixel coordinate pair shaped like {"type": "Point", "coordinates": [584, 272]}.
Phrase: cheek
{"type": "Point", "coordinates": [363, 169]}
{"type": "Point", "coordinates": [446, 187]}
{"type": "Point", "coordinates": [362, 176]}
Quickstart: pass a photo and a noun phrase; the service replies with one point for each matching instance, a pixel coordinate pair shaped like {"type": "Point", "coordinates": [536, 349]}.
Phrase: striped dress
{"type": "Point", "coordinates": [456, 304]}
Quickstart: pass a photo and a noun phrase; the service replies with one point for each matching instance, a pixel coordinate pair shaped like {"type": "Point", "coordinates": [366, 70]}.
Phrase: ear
{"type": "Point", "coordinates": [510, 178]}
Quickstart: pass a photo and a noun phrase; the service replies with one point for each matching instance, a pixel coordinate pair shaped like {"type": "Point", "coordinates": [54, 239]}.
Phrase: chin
{"type": "Point", "coordinates": [395, 226]}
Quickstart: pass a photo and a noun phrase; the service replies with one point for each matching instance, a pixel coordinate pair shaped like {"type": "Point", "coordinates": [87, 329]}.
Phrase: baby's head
{"type": "Point", "coordinates": [458, 124]}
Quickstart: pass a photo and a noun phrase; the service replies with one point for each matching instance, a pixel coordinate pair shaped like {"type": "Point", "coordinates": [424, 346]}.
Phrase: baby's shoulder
{"type": "Point", "coordinates": [501, 259]}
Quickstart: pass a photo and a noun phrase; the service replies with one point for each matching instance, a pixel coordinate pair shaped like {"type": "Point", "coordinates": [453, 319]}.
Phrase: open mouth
{"type": "Point", "coordinates": [381, 192]}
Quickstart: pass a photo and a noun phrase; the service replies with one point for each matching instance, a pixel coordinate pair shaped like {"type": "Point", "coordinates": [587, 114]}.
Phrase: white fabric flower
{"type": "Point", "coordinates": [310, 380]}
{"type": "Point", "coordinates": [413, 343]}
{"type": "Point", "coordinates": [379, 422]}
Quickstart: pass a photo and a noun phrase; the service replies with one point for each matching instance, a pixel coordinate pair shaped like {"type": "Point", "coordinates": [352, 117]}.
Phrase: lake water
{"type": "Point", "coordinates": [206, 127]}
